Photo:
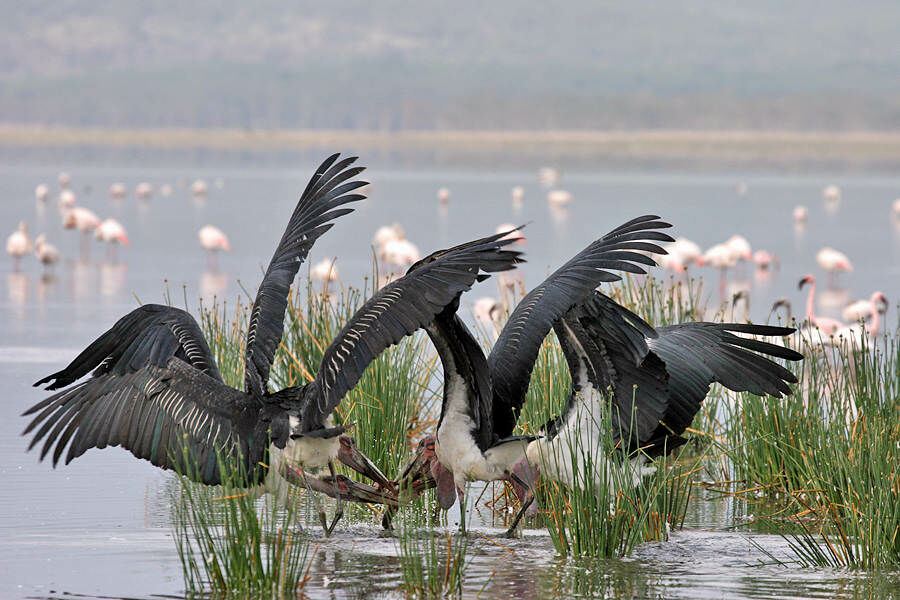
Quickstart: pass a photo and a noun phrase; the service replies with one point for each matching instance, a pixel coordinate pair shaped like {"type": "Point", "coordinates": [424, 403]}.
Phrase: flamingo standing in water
{"type": "Point", "coordinates": [18, 244]}
{"type": "Point", "coordinates": [833, 261]}
{"type": "Point", "coordinates": [42, 192]}
{"type": "Point", "coordinates": [118, 191]}
{"type": "Point", "coordinates": [213, 241]}
{"type": "Point", "coordinates": [826, 325]}
{"type": "Point", "coordinates": [46, 252]}
{"type": "Point", "coordinates": [111, 232]}
{"type": "Point", "coordinates": [83, 220]}
{"type": "Point", "coordinates": [800, 213]}
{"type": "Point", "coordinates": [832, 196]}
{"type": "Point", "coordinates": [518, 195]}
{"type": "Point", "coordinates": [764, 259]}
{"type": "Point", "coordinates": [865, 309]}
{"type": "Point", "coordinates": [723, 258]}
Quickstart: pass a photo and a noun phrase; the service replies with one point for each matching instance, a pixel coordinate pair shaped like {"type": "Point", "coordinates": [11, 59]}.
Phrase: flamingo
{"type": "Point", "coordinates": [720, 257]}
{"type": "Point", "coordinates": [118, 191]}
{"type": "Point", "coordinates": [401, 253]}
{"type": "Point", "coordinates": [549, 176]}
{"type": "Point", "coordinates": [559, 198]}
{"type": "Point", "coordinates": [443, 195]}
{"type": "Point", "coordinates": [833, 261]}
{"type": "Point", "coordinates": [46, 252]}
{"type": "Point", "coordinates": [831, 194]}
{"type": "Point", "coordinates": [324, 270]}
{"type": "Point", "coordinates": [213, 241]}
{"type": "Point", "coordinates": [518, 196]}
{"type": "Point", "coordinates": [64, 180]}
{"type": "Point", "coordinates": [895, 209]}
{"type": "Point", "coordinates": [111, 232]}
{"type": "Point", "coordinates": [763, 259]}
{"type": "Point", "coordinates": [165, 190]}
{"type": "Point", "coordinates": [825, 324]}
{"type": "Point", "coordinates": [686, 250]}
{"type": "Point", "coordinates": [66, 199]}
{"type": "Point", "coordinates": [800, 213]}
{"type": "Point", "coordinates": [18, 244]}
{"type": "Point", "coordinates": [865, 309]}
{"type": "Point", "coordinates": [83, 220]}
{"type": "Point", "coordinates": [514, 232]}
{"type": "Point", "coordinates": [199, 188]}
{"type": "Point", "coordinates": [143, 191]}
{"type": "Point", "coordinates": [42, 192]}
{"type": "Point", "coordinates": [855, 333]}
{"type": "Point", "coordinates": [740, 247]}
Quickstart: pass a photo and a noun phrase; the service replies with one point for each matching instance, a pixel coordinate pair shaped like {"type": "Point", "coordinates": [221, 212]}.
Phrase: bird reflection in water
{"type": "Point", "coordinates": [213, 283]}
{"type": "Point", "coordinates": [112, 278]}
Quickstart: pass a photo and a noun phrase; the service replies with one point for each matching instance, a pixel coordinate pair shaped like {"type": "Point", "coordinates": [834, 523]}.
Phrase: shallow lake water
{"type": "Point", "coordinates": [99, 527]}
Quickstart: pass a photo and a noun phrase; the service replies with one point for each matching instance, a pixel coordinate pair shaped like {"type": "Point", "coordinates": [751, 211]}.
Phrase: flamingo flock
{"type": "Point", "coordinates": [91, 228]}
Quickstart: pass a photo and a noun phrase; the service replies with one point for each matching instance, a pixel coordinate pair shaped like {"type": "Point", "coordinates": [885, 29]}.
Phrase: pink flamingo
{"type": "Point", "coordinates": [833, 261]}
{"type": "Point", "coordinates": [213, 241]}
{"type": "Point", "coordinates": [111, 232]}
{"type": "Point", "coordinates": [864, 309]}
{"type": "Point", "coordinates": [826, 325]}
{"type": "Point", "coordinates": [85, 221]}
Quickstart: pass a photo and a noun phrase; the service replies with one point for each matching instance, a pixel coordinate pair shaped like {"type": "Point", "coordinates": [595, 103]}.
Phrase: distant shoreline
{"type": "Point", "coordinates": [738, 147]}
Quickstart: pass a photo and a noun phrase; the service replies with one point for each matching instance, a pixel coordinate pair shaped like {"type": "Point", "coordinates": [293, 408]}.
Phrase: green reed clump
{"type": "Point", "coordinates": [612, 502]}
{"type": "Point", "coordinates": [831, 455]}
{"type": "Point", "coordinates": [433, 564]}
{"type": "Point", "coordinates": [231, 544]}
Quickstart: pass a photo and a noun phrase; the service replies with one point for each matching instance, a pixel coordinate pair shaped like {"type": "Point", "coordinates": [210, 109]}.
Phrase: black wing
{"type": "Point", "coordinates": [149, 335]}
{"type": "Point", "coordinates": [699, 354]}
{"type": "Point", "coordinates": [172, 415]}
{"type": "Point", "coordinates": [517, 347]}
{"type": "Point", "coordinates": [397, 310]}
{"type": "Point", "coordinates": [325, 192]}
{"type": "Point", "coordinates": [602, 363]}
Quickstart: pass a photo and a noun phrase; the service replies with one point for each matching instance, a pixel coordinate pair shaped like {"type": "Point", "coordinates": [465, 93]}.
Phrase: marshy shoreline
{"type": "Point", "coordinates": [780, 149]}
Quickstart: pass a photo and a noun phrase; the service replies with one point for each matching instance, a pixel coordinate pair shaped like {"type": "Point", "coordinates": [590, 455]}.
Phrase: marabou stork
{"type": "Point", "coordinates": [157, 392]}
{"type": "Point", "coordinates": [482, 397]}
{"type": "Point", "coordinates": [653, 380]}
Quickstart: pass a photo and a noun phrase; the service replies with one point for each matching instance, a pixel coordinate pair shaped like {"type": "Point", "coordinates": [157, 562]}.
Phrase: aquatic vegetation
{"type": "Point", "coordinates": [831, 457]}
{"type": "Point", "coordinates": [616, 502]}
{"type": "Point", "coordinates": [433, 563]}
{"type": "Point", "coordinates": [231, 543]}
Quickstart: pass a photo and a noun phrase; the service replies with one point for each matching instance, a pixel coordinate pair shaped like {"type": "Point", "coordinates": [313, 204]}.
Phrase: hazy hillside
{"type": "Point", "coordinates": [403, 64]}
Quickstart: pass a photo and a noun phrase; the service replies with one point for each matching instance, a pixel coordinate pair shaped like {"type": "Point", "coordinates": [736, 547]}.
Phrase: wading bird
{"type": "Point", "coordinates": [832, 262]}
{"type": "Point", "coordinates": [825, 324]}
{"type": "Point", "coordinates": [642, 384]}
{"type": "Point", "coordinates": [865, 309]}
{"type": "Point", "coordinates": [482, 397]}
{"type": "Point", "coordinates": [18, 244]}
{"type": "Point", "coordinates": [158, 393]}
{"type": "Point", "coordinates": [213, 241]}
{"type": "Point", "coordinates": [46, 252]}
{"type": "Point", "coordinates": [156, 389]}
{"type": "Point", "coordinates": [112, 233]}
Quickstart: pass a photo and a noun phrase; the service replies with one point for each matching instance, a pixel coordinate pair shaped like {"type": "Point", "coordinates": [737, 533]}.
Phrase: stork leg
{"type": "Point", "coordinates": [529, 498]}
{"type": "Point", "coordinates": [463, 496]}
{"type": "Point", "coordinates": [339, 511]}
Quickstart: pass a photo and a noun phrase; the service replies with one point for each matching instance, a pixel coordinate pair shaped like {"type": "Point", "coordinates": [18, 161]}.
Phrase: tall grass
{"type": "Point", "coordinates": [432, 563]}
{"type": "Point", "coordinates": [831, 456]}
{"type": "Point", "coordinates": [230, 543]}
{"type": "Point", "coordinates": [611, 503]}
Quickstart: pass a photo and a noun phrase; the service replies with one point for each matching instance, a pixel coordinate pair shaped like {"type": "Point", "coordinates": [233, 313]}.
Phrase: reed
{"type": "Point", "coordinates": [830, 456]}
{"type": "Point", "coordinates": [232, 544]}
{"type": "Point", "coordinates": [432, 563]}
{"type": "Point", "coordinates": [612, 502]}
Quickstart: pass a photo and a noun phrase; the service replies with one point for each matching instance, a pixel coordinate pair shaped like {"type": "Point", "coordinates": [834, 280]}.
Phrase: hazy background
{"type": "Point", "coordinates": [399, 64]}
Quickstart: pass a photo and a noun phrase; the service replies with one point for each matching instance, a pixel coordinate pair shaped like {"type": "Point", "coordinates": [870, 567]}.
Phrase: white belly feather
{"type": "Point", "coordinates": [577, 456]}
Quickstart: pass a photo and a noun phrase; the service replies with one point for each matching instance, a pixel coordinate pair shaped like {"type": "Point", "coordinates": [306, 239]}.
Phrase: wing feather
{"type": "Point", "coordinates": [397, 310]}
{"type": "Point", "coordinates": [512, 358]}
{"type": "Point", "coordinates": [327, 190]}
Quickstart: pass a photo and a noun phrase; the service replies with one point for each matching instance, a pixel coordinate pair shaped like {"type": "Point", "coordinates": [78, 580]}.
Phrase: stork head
{"type": "Point", "coordinates": [528, 474]}
{"type": "Point", "coordinates": [807, 279]}
{"type": "Point", "coordinates": [424, 470]}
